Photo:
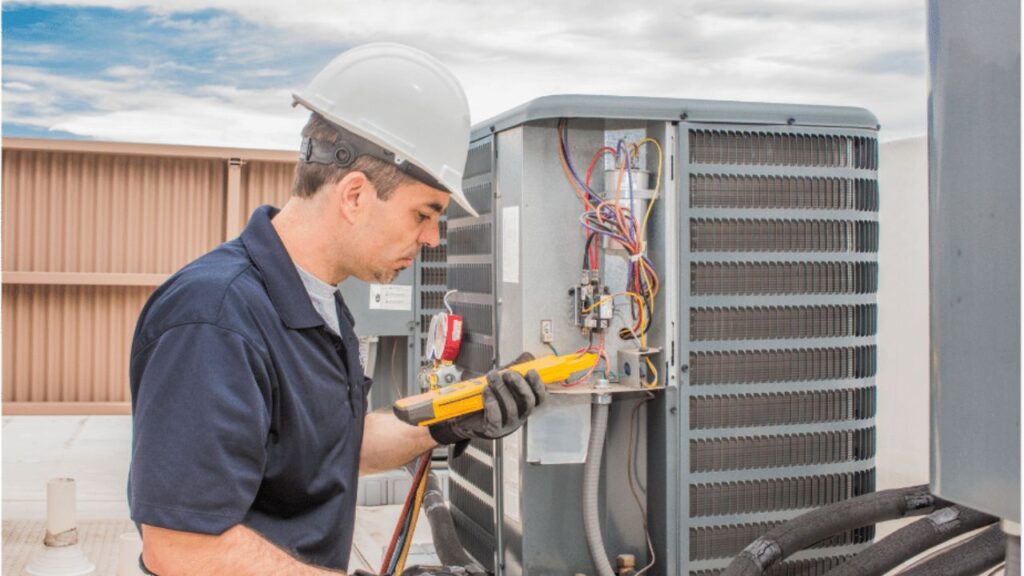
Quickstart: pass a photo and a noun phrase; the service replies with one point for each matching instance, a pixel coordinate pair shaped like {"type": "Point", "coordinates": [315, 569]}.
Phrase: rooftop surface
{"type": "Point", "coordinates": [94, 450]}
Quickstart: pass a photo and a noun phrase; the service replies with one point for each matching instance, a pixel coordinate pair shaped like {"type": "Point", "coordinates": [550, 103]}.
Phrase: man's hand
{"type": "Point", "coordinates": [508, 400]}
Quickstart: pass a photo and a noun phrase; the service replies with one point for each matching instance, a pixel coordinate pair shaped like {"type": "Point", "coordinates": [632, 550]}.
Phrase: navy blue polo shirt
{"type": "Point", "coordinates": [246, 408]}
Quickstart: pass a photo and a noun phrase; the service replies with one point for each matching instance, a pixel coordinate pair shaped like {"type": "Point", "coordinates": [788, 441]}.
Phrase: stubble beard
{"type": "Point", "coordinates": [386, 276]}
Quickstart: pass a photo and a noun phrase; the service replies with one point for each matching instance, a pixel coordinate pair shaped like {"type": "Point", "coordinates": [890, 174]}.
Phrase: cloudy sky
{"type": "Point", "coordinates": [220, 72]}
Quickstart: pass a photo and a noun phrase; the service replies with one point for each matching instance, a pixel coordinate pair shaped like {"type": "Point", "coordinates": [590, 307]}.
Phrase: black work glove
{"type": "Point", "coordinates": [508, 400]}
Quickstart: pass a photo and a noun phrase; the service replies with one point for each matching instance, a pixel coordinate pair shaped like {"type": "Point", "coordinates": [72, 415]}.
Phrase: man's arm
{"type": "Point", "coordinates": [239, 551]}
{"type": "Point", "coordinates": [388, 442]}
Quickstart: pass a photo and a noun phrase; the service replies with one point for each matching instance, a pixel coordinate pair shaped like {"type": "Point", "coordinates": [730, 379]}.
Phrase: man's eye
{"type": "Point", "coordinates": [423, 217]}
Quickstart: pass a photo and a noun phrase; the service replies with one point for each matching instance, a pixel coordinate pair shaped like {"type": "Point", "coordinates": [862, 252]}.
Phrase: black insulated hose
{"type": "Point", "coordinates": [909, 541]}
{"type": "Point", "coordinates": [1013, 554]}
{"type": "Point", "coordinates": [446, 541]}
{"type": "Point", "coordinates": [970, 557]}
{"type": "Point", "coordinates": [817, 525]}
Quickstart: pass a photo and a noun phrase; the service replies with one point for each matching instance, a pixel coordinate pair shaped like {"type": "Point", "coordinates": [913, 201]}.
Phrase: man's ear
{"type": "Point", "coordinates": [351, 194]}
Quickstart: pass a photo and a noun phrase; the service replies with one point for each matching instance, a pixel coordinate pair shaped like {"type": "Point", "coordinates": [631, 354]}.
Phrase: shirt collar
{"type": "Point", "coordinates": [285, 287]}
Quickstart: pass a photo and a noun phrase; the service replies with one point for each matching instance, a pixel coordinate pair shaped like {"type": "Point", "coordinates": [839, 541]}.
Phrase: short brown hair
{"type": "Point", "coordinates": [310, 177]}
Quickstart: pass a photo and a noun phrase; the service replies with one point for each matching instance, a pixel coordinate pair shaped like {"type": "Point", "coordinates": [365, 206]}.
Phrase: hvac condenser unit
{"type": "Point", "coordinates": [747, 398]}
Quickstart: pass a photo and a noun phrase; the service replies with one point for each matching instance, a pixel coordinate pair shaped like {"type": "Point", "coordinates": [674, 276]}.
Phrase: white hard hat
{"type": "Point", "coordinates": [404, 101]}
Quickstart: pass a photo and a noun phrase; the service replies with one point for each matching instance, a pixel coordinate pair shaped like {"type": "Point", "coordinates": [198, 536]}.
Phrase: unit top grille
{"type": "Point", "coordinates": [783, 192]}
{"type": "Point", "coordinates": [782, 149]}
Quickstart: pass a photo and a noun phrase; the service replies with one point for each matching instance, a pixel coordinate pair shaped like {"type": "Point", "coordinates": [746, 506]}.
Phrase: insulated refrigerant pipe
{"type": "Point", "coordinates": [817, 525]}
{"type": "Point", "coordinates": [970, 557]}
{"type": "Point", "coordinates": [446, 541]}
{"type": "Point", "coordinates": [909, 541]}
{"type": "Point", "coordinates": [591, 478]}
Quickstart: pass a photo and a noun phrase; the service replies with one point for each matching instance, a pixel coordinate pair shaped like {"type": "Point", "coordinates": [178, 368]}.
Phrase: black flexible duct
{"type": "Point", "coordinates": [813, 527]}
{"type": "Point", "coordinates": [970, 557]}
{"type": "Point", "coordinates": [1013, 554]}
{"type": "Point", "coordinates": [911, 540]}
{"type": "Point", "coordinates": [446, 541]}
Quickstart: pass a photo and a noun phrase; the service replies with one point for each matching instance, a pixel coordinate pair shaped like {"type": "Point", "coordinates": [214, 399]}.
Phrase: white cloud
{"type": "Point", "coordinates": [18, 86]}
{"type": "Point", "coordinates": [802, 51]}
{"type": "Point", "coordinates": [126, 71]}
{"type": "Point", "coordinates": [133, 108]}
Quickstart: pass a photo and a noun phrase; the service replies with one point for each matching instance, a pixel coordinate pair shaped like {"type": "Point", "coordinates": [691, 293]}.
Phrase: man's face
{"type": "Point", "coordinates": [393, 231]}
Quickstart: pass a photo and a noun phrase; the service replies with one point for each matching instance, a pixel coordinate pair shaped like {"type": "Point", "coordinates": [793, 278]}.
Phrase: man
{"type": "Point", "coordinates": [248, 400]}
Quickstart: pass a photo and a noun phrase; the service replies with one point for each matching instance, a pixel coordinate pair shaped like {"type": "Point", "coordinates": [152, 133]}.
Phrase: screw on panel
{"type": "Point", "coordinates": [684, 116]}
{"type": "Point", "coordinates": [791, 121]}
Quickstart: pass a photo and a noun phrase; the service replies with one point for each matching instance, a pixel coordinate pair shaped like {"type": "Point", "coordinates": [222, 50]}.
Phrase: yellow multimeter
{"type": "Point", "coordinates": [466, 397]}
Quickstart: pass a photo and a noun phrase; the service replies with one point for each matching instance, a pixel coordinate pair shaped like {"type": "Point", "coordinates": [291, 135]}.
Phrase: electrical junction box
{"type": "Point", "coordinates": [763, 236]}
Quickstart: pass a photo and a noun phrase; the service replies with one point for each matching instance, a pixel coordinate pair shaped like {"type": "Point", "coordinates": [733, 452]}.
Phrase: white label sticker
{"type": "Point", "coordinates": [510, 244]}
{"type": "Point", "coordinates": [390, 297]}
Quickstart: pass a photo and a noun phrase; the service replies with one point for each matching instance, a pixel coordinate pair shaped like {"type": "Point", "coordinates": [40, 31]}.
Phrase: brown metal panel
{"type": "Point", "coordinates": [102, 213]}
{"type": "Point", "coordinates": [266, 183]}
{"type": "Point", "coordinates": [67, 408]}
{"type": "Point", "coordinates": [156, 150]}
{"type": "Point", "coordinates": [68, 343]}
{"type": "Point", "coordinates": [84, 278]}
{"type": "Point", "coordinates": [90, 229]}
{"type": "Point", "coordinates": [233, 212]}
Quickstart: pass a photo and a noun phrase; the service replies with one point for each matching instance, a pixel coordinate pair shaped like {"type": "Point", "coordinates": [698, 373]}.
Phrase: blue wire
{"type": "Point", "coordinates": [568, 162]}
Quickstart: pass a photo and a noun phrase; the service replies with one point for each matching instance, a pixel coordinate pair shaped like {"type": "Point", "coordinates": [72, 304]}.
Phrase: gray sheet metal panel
{"type": "Point", "coordinates": [975, 188]}
{"type": "Point", "coordinates": [529, 172]}
{"type": "Point", "coordinates": [673, 109]}
{"type": "Point", "coordinates": [379, 322]}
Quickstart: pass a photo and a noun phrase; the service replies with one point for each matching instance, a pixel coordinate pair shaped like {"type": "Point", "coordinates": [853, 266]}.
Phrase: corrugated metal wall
{"type": "Point", "coordinates": [89, 230]}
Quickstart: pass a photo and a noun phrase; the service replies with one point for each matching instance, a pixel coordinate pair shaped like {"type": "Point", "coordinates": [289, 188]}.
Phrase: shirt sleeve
{"type": "Point", "coordinates": [200, 428]}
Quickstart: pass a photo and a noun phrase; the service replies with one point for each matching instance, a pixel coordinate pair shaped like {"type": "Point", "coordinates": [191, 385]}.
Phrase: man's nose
{"type": "Point", "coordinates": [431, 235]}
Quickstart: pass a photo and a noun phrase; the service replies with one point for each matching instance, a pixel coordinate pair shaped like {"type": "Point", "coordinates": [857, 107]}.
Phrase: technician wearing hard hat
{"type": "Point", "coordinates": [248, 399]}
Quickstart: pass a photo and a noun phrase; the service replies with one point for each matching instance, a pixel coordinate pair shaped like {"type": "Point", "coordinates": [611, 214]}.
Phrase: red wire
{"type": "Point", "coordinates": [600, 354]}
{"type": "Point", "coordinates": [593, 162]}
{"type": "Point", "coordinates": [405, 510]}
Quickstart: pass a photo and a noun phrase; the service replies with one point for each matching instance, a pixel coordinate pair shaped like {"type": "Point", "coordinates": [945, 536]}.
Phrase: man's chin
{"type": "Point", "coordinates": [386, 277]}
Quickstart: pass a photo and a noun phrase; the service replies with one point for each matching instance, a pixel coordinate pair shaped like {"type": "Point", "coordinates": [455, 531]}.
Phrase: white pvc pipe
{"type": "Point", "coordinates": [60, 554]}
{"type": "Point", "coordinates": [60, 506]}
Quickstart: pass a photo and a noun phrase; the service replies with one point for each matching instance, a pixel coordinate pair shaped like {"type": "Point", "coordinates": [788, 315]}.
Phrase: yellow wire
{"type": "Point", "coordinates": [604, 299]}
{"type": "Point", "coordinates": [657, 182]}
{"type": "Point", "coordinates": [650, 366]}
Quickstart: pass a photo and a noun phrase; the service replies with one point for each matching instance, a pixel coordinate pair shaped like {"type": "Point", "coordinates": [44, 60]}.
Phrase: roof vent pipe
{"type": "Point", "coordinates": [61, 554]}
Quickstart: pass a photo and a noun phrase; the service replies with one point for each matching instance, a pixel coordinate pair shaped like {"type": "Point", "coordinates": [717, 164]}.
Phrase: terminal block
{"type": "Point", "coordinates": [592, 308]}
